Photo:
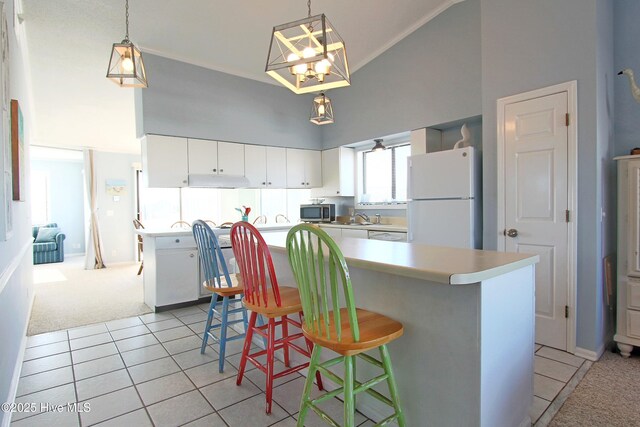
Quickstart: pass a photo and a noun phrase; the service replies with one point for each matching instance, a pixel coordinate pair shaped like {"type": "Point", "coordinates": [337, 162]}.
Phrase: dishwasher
{"type": "Point", "coordinates": [389, 236]}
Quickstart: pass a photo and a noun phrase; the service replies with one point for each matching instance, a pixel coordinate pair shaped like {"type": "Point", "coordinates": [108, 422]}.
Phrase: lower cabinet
{"type": "Point", "coordinates": [358, 234]}
{"type": "Point", "coordinates": [178, 276]}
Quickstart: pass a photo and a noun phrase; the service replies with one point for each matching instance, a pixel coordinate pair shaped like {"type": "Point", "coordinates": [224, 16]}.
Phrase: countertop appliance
{"type": "Point", "coordinates": [322, 212]}
{"type": "Point", "coordinates": [444, 199]}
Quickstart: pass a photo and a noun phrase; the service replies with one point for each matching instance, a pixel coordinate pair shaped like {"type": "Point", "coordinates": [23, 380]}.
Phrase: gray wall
{"type": "Point", "coordinates": [626, 55]}
{"type": "Point", "coordinates": [190, 101]}
{"type": "Point", "coordinates": [528, 45]}
{"type": "Point", "coordinates": [433, 76]}
{"type": "Point", "coordinates": [66, 191]}
{"type": "Point", "coordinates": [16, 277]}
{"type": "Point", "coordinates": [115, 218]}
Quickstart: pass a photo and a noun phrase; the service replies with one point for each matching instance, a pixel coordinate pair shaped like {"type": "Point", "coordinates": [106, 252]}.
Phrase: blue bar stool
{"type": "Point", "coordinates": [217, 280]}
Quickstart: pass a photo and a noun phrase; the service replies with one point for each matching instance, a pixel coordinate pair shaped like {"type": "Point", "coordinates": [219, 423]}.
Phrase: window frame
{"type": "Point", "coordinates": [361, 186]}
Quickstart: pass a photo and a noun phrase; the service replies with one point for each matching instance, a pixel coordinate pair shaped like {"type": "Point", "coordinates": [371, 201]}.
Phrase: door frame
{"type": "Point", "coordinates": [571, 88]}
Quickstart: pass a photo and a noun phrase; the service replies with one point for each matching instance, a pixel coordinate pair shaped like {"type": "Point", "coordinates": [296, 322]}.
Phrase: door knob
{"type": "Point", "coordinates": [512, 232]}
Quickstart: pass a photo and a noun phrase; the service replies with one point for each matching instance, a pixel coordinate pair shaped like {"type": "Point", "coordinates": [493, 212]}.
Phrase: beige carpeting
{"type": "Point", "coordinates": [67, 295]}
{"type": "Point", "coordinates": [608, 395]}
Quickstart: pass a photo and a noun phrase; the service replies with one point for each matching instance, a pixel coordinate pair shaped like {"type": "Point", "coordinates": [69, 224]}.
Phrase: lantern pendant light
{"type": "Point", "coordinates": [308, 55]}
{"type": "Point", "coordinates": [321, 111]}
{"type": "Point", "coordinates": [126, 67]}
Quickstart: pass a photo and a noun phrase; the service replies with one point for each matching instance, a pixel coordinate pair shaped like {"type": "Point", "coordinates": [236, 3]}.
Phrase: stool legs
{"type": "Point", "coordinates": [207, 327]}
{"type": "Point", "coordinates": [306, 393]}
{"type": "Point", "coordinates": [391, 382]}
{"type": "Point", "coordinates": [349, 405]}
{"type": "Point", "coordinates": [223, 333]}
{"type": "Point", "coordinates": [247, 346]}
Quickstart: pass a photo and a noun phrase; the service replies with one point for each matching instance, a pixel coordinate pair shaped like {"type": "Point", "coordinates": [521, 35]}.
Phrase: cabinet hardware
{"type": "Point", "coordinates": [214, 170]}
{"type": "Point", "coordinates": [263, 183]}
{"type": "Point", "coordinates": [184, 181]}
{"type": "Point", "coordinates": [566, 311]}
{"type": "Point", "coordinates": [307, 183]}
{"type": "Point", "coordinates": [191, 255]}
{"type": "Point", "coordinates": [269, 182]}
{"type": "Point", "coordinates": [567, 215]}
{"type": "Point", "coordinates": [177, 240]}
{"type": "Point", "coordinates": [337, 192]}
{"type": "Point", "coordinates": [566, 119]}
{"type": "Point", "coordinates": [221, 170]}
{"type": "Point", "coordinates": [302, 183]}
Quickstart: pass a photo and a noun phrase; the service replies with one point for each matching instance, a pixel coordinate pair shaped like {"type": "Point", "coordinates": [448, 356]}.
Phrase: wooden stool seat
{"type": "Point", "coordinates": [235, 289]}
{"type": "Point", "coordinates": [375, 330]}
{"type": "Point", "coordinates": [290, 304]}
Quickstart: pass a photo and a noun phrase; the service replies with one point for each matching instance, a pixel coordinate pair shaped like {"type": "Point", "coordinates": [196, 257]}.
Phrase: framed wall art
{"type": "Point", "coordinates": [17, 151]}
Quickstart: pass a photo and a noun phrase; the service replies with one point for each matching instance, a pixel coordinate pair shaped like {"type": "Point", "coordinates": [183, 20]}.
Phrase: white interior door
{"type": "Point", "coordinates": [536, 201]}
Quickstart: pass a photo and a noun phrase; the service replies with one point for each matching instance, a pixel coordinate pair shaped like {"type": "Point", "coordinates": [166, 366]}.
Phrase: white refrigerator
{"type": "Point", "coordinates": [444, 199]}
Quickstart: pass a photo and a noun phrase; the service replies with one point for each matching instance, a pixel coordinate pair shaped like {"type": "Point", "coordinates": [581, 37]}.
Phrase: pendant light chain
{"type": "Point", "coordinates": [127, 19]}
{"type": "Point", "coordinates": [309, 8]}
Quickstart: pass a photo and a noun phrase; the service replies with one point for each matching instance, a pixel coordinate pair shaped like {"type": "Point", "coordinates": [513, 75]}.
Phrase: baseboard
{"type": "Point", "coordinates": [594, 356]}
{"type": "Point", "coordinates": [17, 369]}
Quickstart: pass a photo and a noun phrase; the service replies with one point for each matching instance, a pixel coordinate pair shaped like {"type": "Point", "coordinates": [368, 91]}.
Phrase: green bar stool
{"type": "Point", "coordinates": [323, 280]}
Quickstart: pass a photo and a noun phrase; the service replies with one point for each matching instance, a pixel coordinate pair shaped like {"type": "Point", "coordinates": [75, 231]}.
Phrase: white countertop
{"type": "Point", "coordinates": [371, 227]}
{"type": "Point", "coordinates": [453, 266]}
{"type": "Point", "coordinates": [170, 232]}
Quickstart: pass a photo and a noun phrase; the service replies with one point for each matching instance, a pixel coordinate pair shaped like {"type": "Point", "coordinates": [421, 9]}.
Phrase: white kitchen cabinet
{"type": "Point", "coordinates": [265, 167]}
{"type": "Point", "coordinates": [333, 231]}
{"type": "Point", "coordinates": [358, 234]}
{"type": "Point", "coordinates": [213, 157]}
{"type": "Point", "coordinates": [304, 168]}
{"type": "Point", "coordinates": [164, 161]}
{"type": "Point", "coordinates": [177, 276]}
{"type": "Point", "coordinates": [338, 173]}
{"type": "Point", "coordinates": [628, 277]}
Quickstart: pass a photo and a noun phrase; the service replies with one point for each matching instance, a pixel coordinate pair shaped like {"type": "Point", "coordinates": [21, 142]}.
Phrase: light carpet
{"type": "Point", "coordinates": [607, 395]}
{"type": "Point", "coordinates": [67, 295]}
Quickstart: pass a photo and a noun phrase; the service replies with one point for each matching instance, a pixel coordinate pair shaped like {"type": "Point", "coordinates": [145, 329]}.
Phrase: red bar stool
{"type": "Point", "coordinates": [263, 295]}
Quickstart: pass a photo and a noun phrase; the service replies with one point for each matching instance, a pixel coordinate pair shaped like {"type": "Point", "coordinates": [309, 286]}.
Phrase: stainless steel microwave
{"type": "Point", "coordinates": [325, 212]}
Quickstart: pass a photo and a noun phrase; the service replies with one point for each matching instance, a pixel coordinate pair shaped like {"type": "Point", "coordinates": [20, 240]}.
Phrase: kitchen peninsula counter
{"type": "Point", "coordinates": [466, 356]}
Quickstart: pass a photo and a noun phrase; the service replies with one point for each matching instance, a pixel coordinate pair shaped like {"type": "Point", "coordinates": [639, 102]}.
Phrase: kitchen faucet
{"type": "Point", "coordinates": [363, 215]}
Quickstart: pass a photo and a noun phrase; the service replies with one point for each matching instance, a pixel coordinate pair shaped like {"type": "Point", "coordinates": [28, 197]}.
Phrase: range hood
{"type": "Point", "coordinates": [217, 181]}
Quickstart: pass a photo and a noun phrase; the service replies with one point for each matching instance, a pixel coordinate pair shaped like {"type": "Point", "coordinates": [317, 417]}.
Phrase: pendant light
{"type": "Point", "coordinates": [308, 55]}
{"type": "Point", "coordinates": [378, 146]}
{"type": "Point", "coordinates": [126, 68]}
{"type": "Point", "coordinates": [321, 110]}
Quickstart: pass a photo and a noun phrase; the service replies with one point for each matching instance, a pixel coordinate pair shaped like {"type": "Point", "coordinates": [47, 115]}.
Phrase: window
{"type": "Point", "coordinates": [384, 175]}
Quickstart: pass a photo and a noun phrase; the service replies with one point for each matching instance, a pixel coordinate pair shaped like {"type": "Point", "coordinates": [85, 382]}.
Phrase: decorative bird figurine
{"type": "Point", "coordinates": [635, 90]}
{"type": "Point", "coordinates": [466, 136]}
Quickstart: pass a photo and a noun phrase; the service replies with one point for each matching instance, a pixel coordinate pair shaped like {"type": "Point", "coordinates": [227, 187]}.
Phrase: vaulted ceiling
{"type": "Point", "coordinates": [69, 43]}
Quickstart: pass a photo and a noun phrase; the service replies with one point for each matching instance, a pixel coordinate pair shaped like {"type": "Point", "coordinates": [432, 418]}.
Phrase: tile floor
{"type": "Point", "coordinates": [554, 372]}
{"type": "Point", "coordinates": [146, 371]}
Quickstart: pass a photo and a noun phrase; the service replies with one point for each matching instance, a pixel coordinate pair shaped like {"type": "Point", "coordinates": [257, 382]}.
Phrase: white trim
{"type": "Point", "coordinates": [11, 268]}
{"type": "Point", "coordinates": [594, 356]}
{"type": "Point", "coordinates": [572, 187]}
{"type": "Point", "coordinates": [17, 369]}
{"type": "Point", "coordinates": [390, 206]}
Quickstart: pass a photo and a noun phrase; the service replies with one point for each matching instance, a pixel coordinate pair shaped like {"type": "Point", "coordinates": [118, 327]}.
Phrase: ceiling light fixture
{"type": "Point", "coordinates": [308, 55]}
{"type": "Point", "coordinates": [126, 68]}
{"type": "Point", "coordinates": [321, 111]}
{"type": "Point", "coordinates": [378, 146]}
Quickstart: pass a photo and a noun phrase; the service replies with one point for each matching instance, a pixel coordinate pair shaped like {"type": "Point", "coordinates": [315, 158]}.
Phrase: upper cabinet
{"type": "Point", "coordinates": [265, 167]}
{"type": "Point", "coordinates": [213, 157]}
{"type": "Point", "coordinates": [165, 161]}
{"type": "Point", "coordinates": [338, 173]}
{"type": "Point", "coordinates": [304, 168]}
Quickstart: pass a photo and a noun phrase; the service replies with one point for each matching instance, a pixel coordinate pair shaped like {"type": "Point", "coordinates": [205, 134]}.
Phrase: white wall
{"type": "Point", "coordinates": [115, 217]}
{"type": "Point", "coordinates": [15, 254]}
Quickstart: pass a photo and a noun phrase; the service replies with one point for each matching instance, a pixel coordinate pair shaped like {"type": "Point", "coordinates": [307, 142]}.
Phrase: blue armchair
{"type": "Point", "coordinates": [48, 251]}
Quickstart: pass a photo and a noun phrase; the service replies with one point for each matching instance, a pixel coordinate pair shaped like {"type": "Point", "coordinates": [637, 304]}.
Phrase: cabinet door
{"type": "Point", "coordinates": [164, 161]}
{"type": "Point", "coordinates": [255, 166]}
{"type": "Point", "coordinates": [295, 168]}
{"type": "Point", "coordinates": [330, 174]}
{"type": "Point", "coordinates": [177, 276]}
{"type": "Point", "coordinates": [333, 231]}
{"type": "Point", "coordinates": [347, 172]}
{"type": "Point", "coordinates": [633, 238]}
{"type": "Point", "coordinates": [313, 168]}
{"type": "Point", "coordinates": [358, 234]}
{"type": "Point", "coordinates": [230, 158]}
{"type": "Point", "coordinates": [203, 156]}
{"type": "Point", "coordinates": [276, 167]}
